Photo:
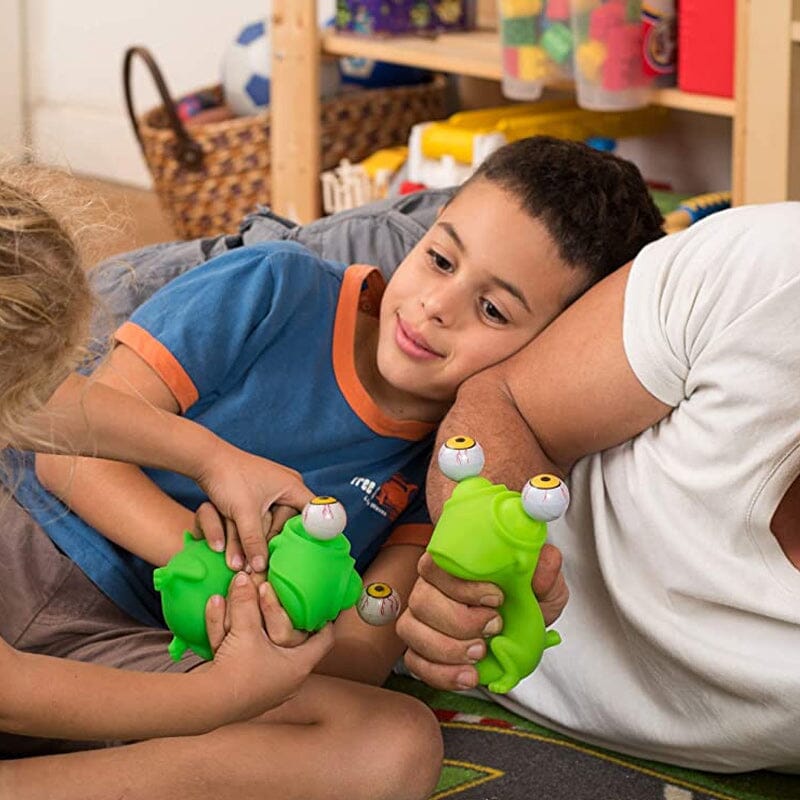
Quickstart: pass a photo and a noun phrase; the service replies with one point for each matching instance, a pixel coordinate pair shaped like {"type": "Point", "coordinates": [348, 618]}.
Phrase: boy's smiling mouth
{"type": "Point", "coordinates": [412, 343]}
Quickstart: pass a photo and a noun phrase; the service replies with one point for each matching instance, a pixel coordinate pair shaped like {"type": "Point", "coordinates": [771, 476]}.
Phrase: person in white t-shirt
{"type": "Point", "coordinates": [670, 396]}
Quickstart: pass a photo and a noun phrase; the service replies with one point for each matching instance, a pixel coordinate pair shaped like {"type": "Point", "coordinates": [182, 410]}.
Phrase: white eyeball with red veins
{"type": "Point", "coordinates": [545, 497]}
{"type": "Point", "coordinates": [324, 517]}
{"type": "Point", "coordinates": [379, 604]}
{"type": "Point", "coordinates": [461, 457]}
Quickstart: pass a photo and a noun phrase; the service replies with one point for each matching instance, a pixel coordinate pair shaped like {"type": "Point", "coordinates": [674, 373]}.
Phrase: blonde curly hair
{"type": "Point", "coordinates": [45, 300]}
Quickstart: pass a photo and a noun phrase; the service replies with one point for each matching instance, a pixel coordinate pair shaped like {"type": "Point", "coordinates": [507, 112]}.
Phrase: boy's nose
{"type": "Point", "coordinates": [440, 306]}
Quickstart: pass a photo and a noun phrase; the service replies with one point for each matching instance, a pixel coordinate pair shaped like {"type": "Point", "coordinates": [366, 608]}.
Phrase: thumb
{"type": "Point", "coordinates": [316, 647]}
{"type": "Point", "coordinates": [296, 494]}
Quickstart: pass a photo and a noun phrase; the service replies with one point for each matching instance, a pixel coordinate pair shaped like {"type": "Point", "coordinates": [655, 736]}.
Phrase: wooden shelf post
{"type": "Point", "coordinates": [294, 110]}
{"type": "Point", "coordinates": [766, 134]}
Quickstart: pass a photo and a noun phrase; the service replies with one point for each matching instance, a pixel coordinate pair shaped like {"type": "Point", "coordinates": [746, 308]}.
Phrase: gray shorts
{"type": "Point", "coordinates": [48, 606]}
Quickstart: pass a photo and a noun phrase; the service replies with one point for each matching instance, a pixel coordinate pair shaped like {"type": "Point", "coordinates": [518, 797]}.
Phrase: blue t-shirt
{"type": "Point", "coordinates": [258, 345]}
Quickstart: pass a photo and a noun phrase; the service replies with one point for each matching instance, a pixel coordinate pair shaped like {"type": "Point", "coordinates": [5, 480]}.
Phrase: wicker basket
{"type": "Point", "coordinates": [209, 176]}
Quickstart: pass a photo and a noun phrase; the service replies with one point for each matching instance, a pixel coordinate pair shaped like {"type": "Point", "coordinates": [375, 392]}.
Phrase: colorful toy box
{"type": "Point", "coordinates": [391, 17]}
{"type": "Point", "coordinates": [706, 46]}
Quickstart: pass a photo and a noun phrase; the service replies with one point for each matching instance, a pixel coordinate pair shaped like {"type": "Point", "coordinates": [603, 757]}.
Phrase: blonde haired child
{"type": "Point", "coordinates": [45, 304]}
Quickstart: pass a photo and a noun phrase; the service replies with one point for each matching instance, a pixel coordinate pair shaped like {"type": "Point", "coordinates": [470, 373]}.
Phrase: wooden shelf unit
{"type": "Point", "coordinates": [765, 114]}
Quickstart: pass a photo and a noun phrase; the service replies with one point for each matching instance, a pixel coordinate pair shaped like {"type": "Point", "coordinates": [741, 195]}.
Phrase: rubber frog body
{"type": "Point", "coordinates": [484, 534]}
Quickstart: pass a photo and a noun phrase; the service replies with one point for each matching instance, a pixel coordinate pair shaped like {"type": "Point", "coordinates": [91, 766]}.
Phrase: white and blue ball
{"type": "Point", "coordinates": [245, 71]}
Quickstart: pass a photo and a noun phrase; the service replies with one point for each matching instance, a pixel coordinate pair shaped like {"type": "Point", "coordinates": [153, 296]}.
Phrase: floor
{"type": "Point", "coordinates": [138, 217]}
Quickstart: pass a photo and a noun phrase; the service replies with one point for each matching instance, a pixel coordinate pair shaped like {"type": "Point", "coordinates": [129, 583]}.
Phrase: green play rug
{"type": "Point", "coordinates": [492, 754]}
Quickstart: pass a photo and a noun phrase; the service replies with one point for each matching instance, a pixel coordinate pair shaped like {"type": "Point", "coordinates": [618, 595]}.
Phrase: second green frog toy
{"type": "Point", "coordinates": [489, 533]}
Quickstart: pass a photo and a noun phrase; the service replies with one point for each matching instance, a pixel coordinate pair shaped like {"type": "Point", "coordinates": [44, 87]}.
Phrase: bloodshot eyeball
{"type": "Point", "coordinates": [324, 517]}
{"type": "Point", "coordinates": [379, 604]}
{"type": "Point", "coordinates": [461, 457]}
{"type": "Point", "coordinates": [545, 497]}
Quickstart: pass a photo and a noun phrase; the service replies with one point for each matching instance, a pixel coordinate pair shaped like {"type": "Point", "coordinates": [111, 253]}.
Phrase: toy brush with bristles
{"type": "Point", "coordinates": [310, 569]}
{"type": "Point", "coordinates": [489, 533]}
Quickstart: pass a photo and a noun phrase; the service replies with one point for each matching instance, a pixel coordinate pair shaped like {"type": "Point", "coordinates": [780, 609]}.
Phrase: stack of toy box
{"type": "Point", "coordinates": [379, 17]}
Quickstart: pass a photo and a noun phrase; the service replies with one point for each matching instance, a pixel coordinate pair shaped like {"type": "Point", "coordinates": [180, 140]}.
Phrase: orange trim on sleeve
{"type": "Point", "coordinates": [418, 533]}
{"type": "Point", "coordinates": [344, 364]}
{"type": "Point", "coordinates": [161, 360]}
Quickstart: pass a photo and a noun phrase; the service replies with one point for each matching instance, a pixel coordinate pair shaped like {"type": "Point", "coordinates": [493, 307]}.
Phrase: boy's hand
{"type": "Point", "coordinates": [254, 496]}
{"type": "Point", "coordinates": [258, 673]}
{"type": "Point", "coordinates": [447, 619]}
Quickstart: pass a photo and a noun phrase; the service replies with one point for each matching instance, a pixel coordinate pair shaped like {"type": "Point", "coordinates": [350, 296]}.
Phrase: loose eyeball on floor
{"type": "Point", "coordinates": [379, 604]}
{"type": "Point", "coordinates": [545, 497]}
{"type": "Point", "coordinates": [324, 517]}
{"type": "Point", "coordinates": [461, 457]}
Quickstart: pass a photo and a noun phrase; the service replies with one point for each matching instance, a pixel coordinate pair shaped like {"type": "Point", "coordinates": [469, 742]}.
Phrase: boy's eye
{"type": "Point", "coordinates": [439, 261]}
{"type": "Point", "coordinates": [491, 311]}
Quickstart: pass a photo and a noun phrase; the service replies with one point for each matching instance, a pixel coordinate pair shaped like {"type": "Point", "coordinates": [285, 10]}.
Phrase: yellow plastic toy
{"type": "Point", "coordinates": [446, 153]}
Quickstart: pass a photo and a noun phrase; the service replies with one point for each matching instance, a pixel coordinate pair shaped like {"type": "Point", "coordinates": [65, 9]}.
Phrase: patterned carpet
{"type": "Point", "coordinates": [492, 754]}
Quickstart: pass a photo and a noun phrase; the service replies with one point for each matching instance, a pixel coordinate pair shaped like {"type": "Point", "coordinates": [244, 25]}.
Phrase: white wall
{"type": "Point", "coordinates": [13, 79]}
{"type": "Point", "coordinates": [75, 52]}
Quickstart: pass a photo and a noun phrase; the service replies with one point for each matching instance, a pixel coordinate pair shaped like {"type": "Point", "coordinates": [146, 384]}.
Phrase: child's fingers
{"type": "Point", "coordinates": [215, 621]}
{"type": "Point", "coordinates": [252, 548]}
{"type": "Point", "coordinates": [234, 555]}
{"type": "Point", "coordinates": [276, 620]}
{"type": "Point", "coordinates": [208, 525]}
{"type": "Point", "coordinates": [242, 606]}
{"type": "Point", "coordinates": [549, 584]}
{"type": "Point", "coordinates": [280, 515]}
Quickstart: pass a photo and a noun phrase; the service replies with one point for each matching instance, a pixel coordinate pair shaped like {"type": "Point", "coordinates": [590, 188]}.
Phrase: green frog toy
{"type": "Point", "coordinates": [310, 569]}
{"type": "Point", "coordinates": [489, 533]}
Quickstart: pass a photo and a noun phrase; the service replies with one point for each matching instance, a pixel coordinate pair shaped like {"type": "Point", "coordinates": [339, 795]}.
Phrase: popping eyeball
{"type": "Point", "coordinates": [545, 497]}
{"type": "Point", "coordinates": [324, 517]}
{"type": "Point", "coordinates": [461, 457]}
{"type": "Point", "coordinates": [379, 604]}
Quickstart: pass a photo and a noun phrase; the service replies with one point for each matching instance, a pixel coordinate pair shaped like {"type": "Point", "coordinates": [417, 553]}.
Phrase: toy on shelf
{"type": "Point", "coordinates": [536, 42]}
{"type": "Point", "coordinates": [489, 533]}
{"type": "Point", "coordinates": [379, 18]}
{"type": "Point", "coordinates": [447, 152]}
{"type": "Point", "coordinates": [693, 209]}
{"type": "Point", "coordinates": [245, 71]}
{"type": "Point", "coordinates": [310, 569]}
{"type": "Point", "coordinates": [350, 185]}
{"type": "Point", "coordinates": [621, 48]}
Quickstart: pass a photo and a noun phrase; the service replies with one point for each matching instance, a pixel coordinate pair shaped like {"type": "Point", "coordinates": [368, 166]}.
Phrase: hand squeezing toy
{"type": "Point", "coordinates": [310, 569]}
{"type": "Point", "coordinates": [489, 533]}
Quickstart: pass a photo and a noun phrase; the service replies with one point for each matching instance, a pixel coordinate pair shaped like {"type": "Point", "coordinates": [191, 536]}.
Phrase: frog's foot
{"type": "Point", "coordinates": [551, 638]}
{"type": "Point", "coordinates": [177, 647]}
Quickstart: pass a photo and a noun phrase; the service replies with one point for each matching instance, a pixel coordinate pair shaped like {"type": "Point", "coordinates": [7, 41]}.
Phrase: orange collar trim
{"type": "Point", "coordinates": [362, 287]}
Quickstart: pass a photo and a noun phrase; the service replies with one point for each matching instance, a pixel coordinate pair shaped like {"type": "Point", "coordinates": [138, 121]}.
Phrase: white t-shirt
{"type": "Point", "coordinates": [682, 634]}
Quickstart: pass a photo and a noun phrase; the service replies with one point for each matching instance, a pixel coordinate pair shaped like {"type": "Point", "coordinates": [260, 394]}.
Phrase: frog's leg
{"type": "Point", "coordinates": [513, 660]}
{"type": "Point", "coordinates": [551, 638]}
{"type": "Point", "coordinates": [177, 647]}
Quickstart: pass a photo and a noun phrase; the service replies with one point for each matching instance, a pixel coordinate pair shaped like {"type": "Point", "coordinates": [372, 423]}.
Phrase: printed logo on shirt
{"type": "Point", "coordinates": [389, 499]}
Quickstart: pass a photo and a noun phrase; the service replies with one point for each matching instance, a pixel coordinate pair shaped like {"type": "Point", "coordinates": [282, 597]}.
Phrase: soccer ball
{"type": "Point", "coordinates": [245, 71]}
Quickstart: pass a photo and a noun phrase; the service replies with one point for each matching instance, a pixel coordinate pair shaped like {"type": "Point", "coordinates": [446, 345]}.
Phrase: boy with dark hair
{"type": "Point", "coordinates": [342, 377]}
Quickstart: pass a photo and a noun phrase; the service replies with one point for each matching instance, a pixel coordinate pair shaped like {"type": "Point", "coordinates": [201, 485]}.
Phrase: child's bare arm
{"type": "Point", "coordinates": [134, 512]}
{"type": "Point", "coordinates": [50, 697]}
{"type": "Point", "coordinates": [366, 653]}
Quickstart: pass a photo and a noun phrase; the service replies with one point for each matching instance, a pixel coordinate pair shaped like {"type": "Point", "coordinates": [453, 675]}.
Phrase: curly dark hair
{"type": "Point", "coordinates": [595, 205]}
